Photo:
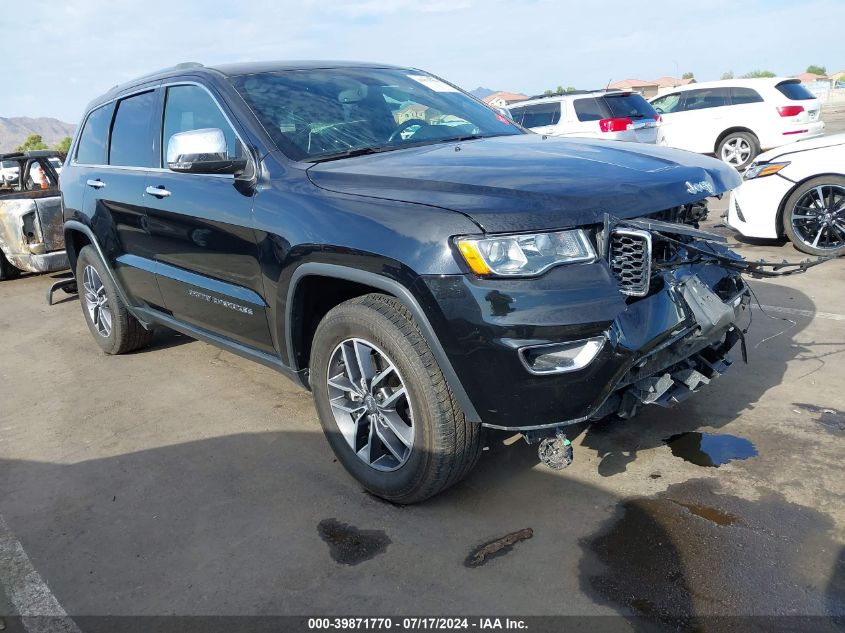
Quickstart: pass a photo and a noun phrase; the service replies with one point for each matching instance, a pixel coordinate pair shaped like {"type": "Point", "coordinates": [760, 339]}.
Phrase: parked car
{"type": "Point", "coordinates": [737, 118]}
{"type": "Point", "coordinates": [423, 288]}
{"type": "Point", "coordinates": [610, 115]}
{"type": "Point", "coordinates": [797, 191]}
{"type": "Point", "coordinates": [31, 234]}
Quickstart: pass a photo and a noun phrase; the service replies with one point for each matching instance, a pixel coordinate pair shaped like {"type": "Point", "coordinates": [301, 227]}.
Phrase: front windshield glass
{"type": "Point", "coordinates": [325, 113]}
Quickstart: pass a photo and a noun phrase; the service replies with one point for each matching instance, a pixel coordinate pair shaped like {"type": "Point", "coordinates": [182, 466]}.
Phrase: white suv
{"type": "Point", "coordinates": [606, 114]}
{"type": "Point", "coordinates": [736, 119]}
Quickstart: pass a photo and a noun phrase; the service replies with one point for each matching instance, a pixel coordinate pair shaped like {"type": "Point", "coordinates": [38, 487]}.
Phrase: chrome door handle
{"type": "Point", "coordinates": [97, 184]}
{"type": "Point", "coordinates": [158, 192]}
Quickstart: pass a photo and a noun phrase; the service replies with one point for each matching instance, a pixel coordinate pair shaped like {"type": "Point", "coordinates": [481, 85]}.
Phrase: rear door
{"type": "Point", "coordinates": [114, 157]}
{"type": "Point", "coordinates": [202, 229]}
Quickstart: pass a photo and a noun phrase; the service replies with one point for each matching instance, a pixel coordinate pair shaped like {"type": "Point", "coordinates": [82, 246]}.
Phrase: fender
{"type": "Point", "coordinates": [75, 225]}
{"type": "Point", "coordinates": [408, 300]}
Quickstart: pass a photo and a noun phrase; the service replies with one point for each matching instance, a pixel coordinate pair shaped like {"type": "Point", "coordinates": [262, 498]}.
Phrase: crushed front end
{"type": "Point", "coordinates": [651, 321]}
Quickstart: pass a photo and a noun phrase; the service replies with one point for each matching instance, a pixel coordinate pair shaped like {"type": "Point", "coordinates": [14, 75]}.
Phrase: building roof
{"type": "Point", "coordinates": [807, 78]}
{"type": "Point", "coordinates": [660, 82]}
{"type": "Point", "coordinates": [507, 96]}
{"type": "Point", "coordinates": [671, 82]}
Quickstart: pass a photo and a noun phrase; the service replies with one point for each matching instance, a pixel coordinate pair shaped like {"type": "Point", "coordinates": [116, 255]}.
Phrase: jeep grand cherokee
{"type": "Point", "coordinates": [425, 266]}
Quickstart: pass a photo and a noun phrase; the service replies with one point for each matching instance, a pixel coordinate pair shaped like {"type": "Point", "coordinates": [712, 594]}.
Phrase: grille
{"type": "Point", "coordinates": [629, 256]}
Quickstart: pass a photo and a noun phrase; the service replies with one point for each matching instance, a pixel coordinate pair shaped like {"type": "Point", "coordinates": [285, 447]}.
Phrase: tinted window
{"type": "Point", "coordinates": [130, 134]}
{"type": "Point", "coordinates": [667, 103]}
{"type": "Point", "coordinates": [192, 108]}
{"type": "Point", "coordinates": [706, 98]}
{"type": "Point", "coordinates": [95, 134]}
{"type": "Point", "coordinates": [632, 106]}
{"type": "Point", "coordinates": [745, 95]}
{"type": "Point", "coordinates": [795, 91]}
{"type": "Point", "coordinates": [590, 109]}
{"type": "Point", "coordinates": [540, 114]}
{"type": "Point", "coordinates": [318, 113]}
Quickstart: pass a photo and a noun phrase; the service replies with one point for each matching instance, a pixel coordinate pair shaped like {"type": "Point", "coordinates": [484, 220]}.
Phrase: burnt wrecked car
{"type": "Point", "coordinates": [423, 265]}
{"type": "Point", "coordinates": [31, 234]}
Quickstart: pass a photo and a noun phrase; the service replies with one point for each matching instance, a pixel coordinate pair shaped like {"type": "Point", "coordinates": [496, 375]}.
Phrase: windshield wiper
{"type": "Point", "coordinates": [357, 151]}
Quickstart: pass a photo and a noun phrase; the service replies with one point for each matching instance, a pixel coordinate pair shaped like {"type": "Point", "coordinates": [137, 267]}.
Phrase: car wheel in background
{"type": "Point", "coordinates": [112, 326]}
{"type": "Point", "coordinates": [738, 149]}
{"type": "Point", "coordinates": [814, 216]}
{"type": "Point", "coordinates": [384, 404]}
{"type": "Point", "coordinates": [7, 271]}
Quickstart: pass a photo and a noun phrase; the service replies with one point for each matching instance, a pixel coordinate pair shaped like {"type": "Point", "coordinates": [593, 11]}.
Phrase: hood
{"type": "Point", "coordinates": [801, 146]}
{"type": "Point", "coordinates": [528, 182]}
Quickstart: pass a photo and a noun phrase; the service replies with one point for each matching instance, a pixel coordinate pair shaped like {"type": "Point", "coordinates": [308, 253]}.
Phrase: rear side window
{"type": "Point", "coordinates": [631, 106]}
{"type": "Point", "coordinates": [745, 95]}
{"type": "Point", "coordinates": [94, 137]}
{"type": "Point", "coordinates": [540, 114]}
{"type": "Point", "coordinates": [590, 109]}
{"type": "Point", "coordinates": [795, 91]}
{"type": "Point", "coordinates": [706, 98]}
{"type": "Point", "coordinates": [192, 108]}
{"type": "Point", "coordinates": [130, 134]}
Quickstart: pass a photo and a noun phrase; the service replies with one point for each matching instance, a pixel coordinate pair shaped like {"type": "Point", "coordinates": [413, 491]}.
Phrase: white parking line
{"type": "Point", "coordinates": [830, 316]}
{"type": "Point", "coordinates": [39, 609]}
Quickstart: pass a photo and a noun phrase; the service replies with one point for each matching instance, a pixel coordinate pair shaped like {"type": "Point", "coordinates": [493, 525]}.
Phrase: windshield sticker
{"type": "Point", "coordinates": [433, 84]}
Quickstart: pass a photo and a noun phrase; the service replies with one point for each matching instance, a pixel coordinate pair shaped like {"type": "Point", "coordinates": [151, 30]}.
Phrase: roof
{"type": "Point", "coordinates": [671, 82]}
{"type": "Point", "coordinates": [35, 153]}
{"type": "Point", "coordinates": [507, 96]}
{"type": "Point", "coordinates": [739, 83]}
{"type": "Point", "coordinates": [660, 82]}
{"type": "Point", "coordinates": [571, 95]}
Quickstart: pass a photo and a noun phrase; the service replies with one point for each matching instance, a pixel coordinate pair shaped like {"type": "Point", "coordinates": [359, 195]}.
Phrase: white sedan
{"type": "Point", "coordinates": [797, 191]}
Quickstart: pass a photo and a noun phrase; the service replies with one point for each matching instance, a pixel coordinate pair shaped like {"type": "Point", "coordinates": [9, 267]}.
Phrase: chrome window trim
{"type": "Point", "coordinates": [159, 169]}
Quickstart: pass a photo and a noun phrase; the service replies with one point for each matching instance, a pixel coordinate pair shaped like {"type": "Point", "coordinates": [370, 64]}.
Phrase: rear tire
{"type": "Point", "coordinates": [7, 271]}
{"type": "Point", "coordinates": [738, 149]}
{"type": "Point", "coordinates": [436, 446]}
{"type": "Point", "coordinates": [111, 324]}
{"type": "Point", "coordinates": [817, 208]}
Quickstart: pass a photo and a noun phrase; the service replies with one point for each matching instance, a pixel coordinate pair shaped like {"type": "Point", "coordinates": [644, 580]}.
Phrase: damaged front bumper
{"type": "Point", "coordinates": [31, 235]}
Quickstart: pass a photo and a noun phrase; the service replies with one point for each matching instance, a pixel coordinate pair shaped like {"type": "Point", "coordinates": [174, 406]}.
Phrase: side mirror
{"type": "Point", "coordinates": [202, 152]}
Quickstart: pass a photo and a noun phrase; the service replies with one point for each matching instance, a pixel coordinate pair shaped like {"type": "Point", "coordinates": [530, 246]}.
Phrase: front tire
{"type": "Point", "coordinates": [738, 149]}
{"type": "Point", "coordinates": [384, 404]}
{"type": "Point", "coordinates": [814, 216]}
{"type": "Point", "coordinates": [111, 324]}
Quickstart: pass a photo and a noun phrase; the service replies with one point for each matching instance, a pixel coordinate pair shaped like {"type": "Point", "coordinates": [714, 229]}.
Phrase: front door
{"type": "Point", "coordinates": [202, 232]}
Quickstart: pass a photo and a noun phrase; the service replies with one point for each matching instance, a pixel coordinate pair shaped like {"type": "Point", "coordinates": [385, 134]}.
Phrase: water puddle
{"type": "Point", "coordinates": [832, 420]}
{"type": "Point", "coordinates": [709, 449]}
{"type": "Point", "coordinates": [349, 545]}
{"type": "Point", "coordinates": [694, 551]}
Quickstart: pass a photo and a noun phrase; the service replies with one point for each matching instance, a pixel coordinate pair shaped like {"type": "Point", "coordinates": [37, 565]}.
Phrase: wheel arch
{"type": "Point", "coordinates": [731, 130]}
{"type": "Point", "coordinates": [300, 324]}
{"type": "Point", "coordinates": [779, 221]}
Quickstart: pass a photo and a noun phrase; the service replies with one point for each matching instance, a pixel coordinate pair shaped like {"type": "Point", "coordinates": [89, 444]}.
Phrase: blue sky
{"type": "Point", "coordinates": [520, 45]}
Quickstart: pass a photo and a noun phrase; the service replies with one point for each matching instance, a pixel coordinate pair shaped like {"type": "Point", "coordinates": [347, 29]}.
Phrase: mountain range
{"type": "Point", "coordinates": [14, 130]}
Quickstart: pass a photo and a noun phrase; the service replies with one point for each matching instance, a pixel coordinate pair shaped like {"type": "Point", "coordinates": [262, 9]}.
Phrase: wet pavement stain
{"type": "Point", "coordinates": [497, 547]}
{"type": "Point", "coordinates": [349, 545]}
{"type": "Point", "coordinates": [710, 449]}
{"type": "Point", "coordinates": [832, 420]}
{"type": "Point", "coordinates": [691, 552]}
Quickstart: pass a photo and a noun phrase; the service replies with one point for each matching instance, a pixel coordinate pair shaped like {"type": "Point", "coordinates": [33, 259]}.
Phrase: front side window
{"type": "Point", "coordinates": [130, 135]}
{"type": "Point", "coordinates": [541, 114]}
{"type": "Point", "coordinates": [706, 98]}
{"type": "Point", "coordinates": [94, 138]}
{"type": "Point", "coordinates": [326, 113]}
{"type": "Point", "coordinates": [667, 103]}
{"type": "Point", "coordinates": [190, 108]}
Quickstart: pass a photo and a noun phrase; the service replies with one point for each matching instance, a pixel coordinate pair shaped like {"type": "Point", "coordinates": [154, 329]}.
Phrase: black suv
{"type": "Point", "coordinates": [425, 266]}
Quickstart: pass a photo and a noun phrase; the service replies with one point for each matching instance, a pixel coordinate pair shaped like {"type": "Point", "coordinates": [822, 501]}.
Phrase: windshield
{"type": "Point", "coordinates": [324, 113]}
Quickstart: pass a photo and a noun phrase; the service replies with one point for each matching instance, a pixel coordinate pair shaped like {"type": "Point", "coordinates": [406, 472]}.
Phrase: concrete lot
{"type": "Point", "coordinates": [184, 480]}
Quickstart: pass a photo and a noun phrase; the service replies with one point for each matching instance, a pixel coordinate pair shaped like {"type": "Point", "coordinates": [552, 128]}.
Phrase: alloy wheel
{"type": "Point", "coordinates": [736, 151]}
{"type": "Point", "coordinates": [370, 404]}
{"type": "Point", "coordinates": [818, 218]}
{"type": "Point", "coordinates": [96, 301]}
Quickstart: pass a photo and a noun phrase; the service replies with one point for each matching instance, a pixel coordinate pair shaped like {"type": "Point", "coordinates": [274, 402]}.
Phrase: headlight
{"type": "Point", "coordinates": [525, 255]}
{"type": "Point", "coordinates": [763, 169]}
